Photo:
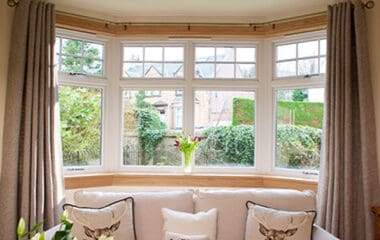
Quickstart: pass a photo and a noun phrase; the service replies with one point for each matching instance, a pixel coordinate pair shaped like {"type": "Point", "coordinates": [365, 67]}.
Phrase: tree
{"type": "Point", "coordinates": [299, 95]}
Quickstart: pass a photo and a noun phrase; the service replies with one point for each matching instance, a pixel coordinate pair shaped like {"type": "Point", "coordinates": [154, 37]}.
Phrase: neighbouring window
{"type": "Point", "coordinates": [150, 126]}
{"type": "Point", "coordinates": [79, 57]}
{"type": "Point", "coordinates": [300, 59]}
{"type": "Point", "coordinates": [81, 125]}
{"type": "Point", "coordinates": [153, 62]}
{"type": "Point", "coordinates": [299, 121]}
{"type": "Point", "coordinates": [225, 62]}
{"type": "Point", "coordinates": [225, 120]}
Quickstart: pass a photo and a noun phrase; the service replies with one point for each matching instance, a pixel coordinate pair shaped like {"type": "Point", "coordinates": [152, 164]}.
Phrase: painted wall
{"type": "Point", "coordinates": [373, 20]}
{"type": "Point", "coordinates": [6, 14]}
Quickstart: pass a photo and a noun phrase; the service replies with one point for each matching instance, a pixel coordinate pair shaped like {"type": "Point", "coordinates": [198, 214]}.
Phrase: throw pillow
{"type": "Point", "coordinates": [178, 236]}
{"type": "Point", "coordinates": [115, 219]}
{"type": "Point", "coordinates": [269, 223]}
{"type": "Point", "coordinates": [202, 223]}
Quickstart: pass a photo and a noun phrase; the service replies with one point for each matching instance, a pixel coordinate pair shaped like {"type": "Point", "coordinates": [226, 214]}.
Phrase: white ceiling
{"type": "Point", "coordinates": [192, 10]}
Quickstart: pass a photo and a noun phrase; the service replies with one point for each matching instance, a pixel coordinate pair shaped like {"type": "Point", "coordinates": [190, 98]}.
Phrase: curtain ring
{"type": "Point", "coordinates": [369, 5]}
{"type": "Point", "coordinates": [12, 3]}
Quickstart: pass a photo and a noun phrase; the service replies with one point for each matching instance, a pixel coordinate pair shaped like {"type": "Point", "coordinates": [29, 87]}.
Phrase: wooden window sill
{"type": "Point", "coordinates": [187, 180]}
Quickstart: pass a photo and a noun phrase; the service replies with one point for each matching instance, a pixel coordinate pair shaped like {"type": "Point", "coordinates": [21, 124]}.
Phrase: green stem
{"type": "Point", "coordinates": [187, 158]}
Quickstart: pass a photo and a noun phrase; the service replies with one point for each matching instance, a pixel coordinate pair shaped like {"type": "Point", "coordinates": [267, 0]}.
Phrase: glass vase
{"type": "Point", "coordinates": [187, 161]}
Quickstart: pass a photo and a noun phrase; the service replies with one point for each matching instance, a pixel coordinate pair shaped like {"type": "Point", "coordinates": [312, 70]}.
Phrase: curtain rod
{"type": "Point", "coordinates": [369, 5]}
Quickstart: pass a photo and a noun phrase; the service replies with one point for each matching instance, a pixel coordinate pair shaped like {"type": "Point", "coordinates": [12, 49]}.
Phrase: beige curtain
{"type": "Point", "coordinates": [348, 185]}
{"type": "Point", "coordinates": [31, 180]}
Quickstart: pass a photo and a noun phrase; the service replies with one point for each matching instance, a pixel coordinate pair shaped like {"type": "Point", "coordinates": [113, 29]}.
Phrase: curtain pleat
{"type": "Point", "coordinates": [31, 178]}
{"type": "Point", "coordinates": [348, 184]}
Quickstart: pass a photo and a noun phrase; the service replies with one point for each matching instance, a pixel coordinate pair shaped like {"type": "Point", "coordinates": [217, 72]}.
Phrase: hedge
{"type": "Point", "coordinates": [296, 113]}
{"type": "Point", "coordinates": [297, 146]}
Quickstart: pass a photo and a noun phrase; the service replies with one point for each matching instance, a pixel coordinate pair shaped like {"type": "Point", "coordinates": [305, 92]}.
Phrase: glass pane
{"type": "Point", "coordinates": [150, 126]}
{"type": "Point", "coordinates": [132, 70]}
{"type": "Point", "coordinates": [322, 50]}
{"type": "Point", "coordinates": [225, 122]}
{"type": "Point", "coordinates": [285, 52]}
{"type": "Point", "coordinates": [225, 54]}
{"type": "Point", "coordinates": [245, 54]}
{"type": "Point", "coordinates": [322, 65]}
{"type": "Point", "coordinates": [204, 70]}
{"type": "Point", "coordinates": [299, 128]}
{"type": "Point", "coordinates": [153, 54]}
{"type": "Point", "coordinates": [72, 47]}
{"type": "Point", "coordinates": [204, 54]}
{"type": "Point", "coordinates": [133, 54]}
{"type": "Point", "coordinates": [308, 49]}
{"type": "Point", "coordinates": [57, 46]}
{"type": "Point", "coordinates": [93, 67]}
{"type": "Point", "coordinates": [173, 70]}
{"type": "Point", "coordinates": [246, 70]}
{"type": "Point", "coordinates": [225, 70]}
{"type": "Point", "coordinates": [308, 66]}
{"type": "Point", "coordinates": [93, 50]}
{"type": "Point", "coordinates": [71, 64]}
{"type": "Point", "coordinates": [81, 125]}
{"type": "Point", "coordinates": [174, 54]}
{"type": "Point", "coordinates": [286, 69]}
{"type": "Point", "coordinates": [153, 70]}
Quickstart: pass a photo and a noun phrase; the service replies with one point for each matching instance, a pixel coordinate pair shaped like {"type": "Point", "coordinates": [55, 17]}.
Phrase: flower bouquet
{"type": "Point", "coordinates": [187, 146]}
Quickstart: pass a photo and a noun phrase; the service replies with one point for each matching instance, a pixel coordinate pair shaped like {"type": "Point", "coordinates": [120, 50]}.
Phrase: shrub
{"type": "Point", "coordinates": [227, 145]}
{"type": "Point", "coordinates": [298, 146]}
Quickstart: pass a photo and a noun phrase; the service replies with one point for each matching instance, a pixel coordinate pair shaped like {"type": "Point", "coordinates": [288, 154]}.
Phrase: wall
{"type": "Point", "coordinates": [6, 14]}
{"type": "Point", "coordinates": [373, 20]}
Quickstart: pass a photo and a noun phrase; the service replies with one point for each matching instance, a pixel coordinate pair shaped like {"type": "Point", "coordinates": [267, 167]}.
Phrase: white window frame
{"type": "Point", "coordinates": [264, 86]}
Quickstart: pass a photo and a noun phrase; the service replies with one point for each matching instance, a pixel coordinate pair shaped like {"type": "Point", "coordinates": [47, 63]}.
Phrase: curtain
{"type": "Point", "coordinates": [348, 184]}
{"type": "Point", "coordinates": [31, 179]}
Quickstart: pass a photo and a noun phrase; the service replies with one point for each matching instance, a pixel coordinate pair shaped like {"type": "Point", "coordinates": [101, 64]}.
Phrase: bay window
{"type": "Point", "coordinates": [256, 114]}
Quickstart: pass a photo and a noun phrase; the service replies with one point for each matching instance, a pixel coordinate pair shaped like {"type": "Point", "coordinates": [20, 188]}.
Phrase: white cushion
{"type": "Point", "coordinates": [178, 236]}
{"type": "Point", "coordinates": [147, 206]}
{"type": "Point", "coordinates": [115, 219]}
{"type": "Point", "coordinates": [202, 223]}
{"type": "Point", "coordinates": [232, 211]}
{"type": "Point", "coordinates": [269, 223]}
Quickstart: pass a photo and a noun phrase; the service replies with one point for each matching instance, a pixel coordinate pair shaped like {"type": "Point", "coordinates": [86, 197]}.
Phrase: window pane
{"type": "Point", "coordinates": [174, 54]}
{"type": "Point", "coordinates": [225, 54]}
{"type": "Point", "coordinates": [322, 47]}
{"type": "Point", "coordinates": [57, 46]}
{"type": "Point", "coordinates": [204, 54]}
{"type": "Point", "coordinates": [322, 65]}
{"type": "Point", "coordinates": [71, 64]}
{"type": "Point", "coordinates": [245, 54]}
{"type": "Point", "coordinates": [150, 126]}
{"type": "Point", "coordinates": [173, 70]}
{"type": "Point", "coordinates": [225, 121]}
{"type": "Point", "coordinates": [308, 66]}
{"type": "Point", "coordinates": [93, 67]}
{"type": "Point", "coordinates": [204, 70]}
{"type": "Point", "coordinates": [132, 70]}
{"type": "Point", "coordinates": [286, 69]}
{"type": "Point", "coordinates": [153, 70]}
{"type": "Point", "coordinates": [299, 128]}
{"type": "Point", "coordinates": [153, 54]}
{"type": "Point", "coordinates": [308, 49]}
{"type": "Point", "coordinates": [225, 70]}
{"type": "Point", "coordinates": [81, 125]}
{"type": "Point", "coordinates": [92, 50]}
{"type": "Point", "coordinates": [246, 70]}
{"type": "Point", "coordinates": [284, 52]}
{"type": "Point", "coordinates": [72, 47]}
{"type": "Point", "coordinates": [133, 54]}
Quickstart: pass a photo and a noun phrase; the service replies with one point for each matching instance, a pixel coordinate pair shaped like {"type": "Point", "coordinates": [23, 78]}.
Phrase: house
{"type": "Point", "coordinates": [170, 108]}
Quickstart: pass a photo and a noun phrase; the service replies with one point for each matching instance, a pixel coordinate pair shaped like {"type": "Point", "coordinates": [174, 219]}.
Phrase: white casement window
{"type": "Point", "coordinates": [258, 105]}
